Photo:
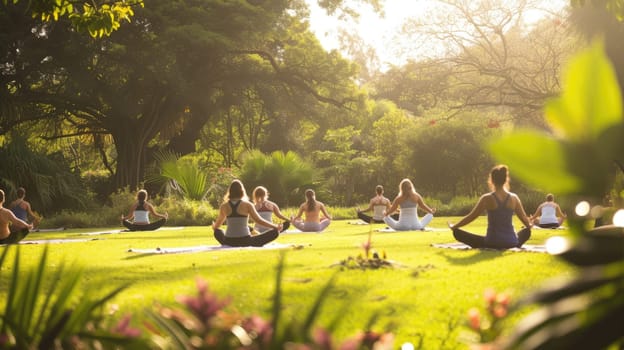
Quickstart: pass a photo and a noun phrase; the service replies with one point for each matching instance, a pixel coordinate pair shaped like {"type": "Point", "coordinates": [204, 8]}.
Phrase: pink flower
{"type": "Point", "coordinates": [123, 328]}
{"type": "Point", "coordinates": [490, 296]}
{"type": "Point", "coordinates": [432, 122]}
{"type": "Point", "coordinates": [259, 328]}
{"type": "Point", "coordinates": [503, 299]}
{"type": "Point", "coordinates": [322, 339]}
{"type": "Point", "coordinates": [474, 319]}
{"type": "Point", "coordinates": [205, 305]}
{"type": "Point", "coordinates": [499, 311]}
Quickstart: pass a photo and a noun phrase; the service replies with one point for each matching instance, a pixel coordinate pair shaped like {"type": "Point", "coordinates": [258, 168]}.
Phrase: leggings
{"type": "Point", "coordinates": [263, 229]}
{"type": "Point", "coordinates": [312, 226]}
{"type": "Point", "coordinates": [144, 227]}
{"type": "Point", "coordinates": [408, 222]}
{"type": "Point", "coordinates": [370, 220]}
{"type": "Point", "coordinates": [15, 236]}
{"type": "Point", "coordinates": [247, 241]}
{"type": "Point", "coordinates": [476, 241]}
{"type": "Point", "coordinates": [551, 225]}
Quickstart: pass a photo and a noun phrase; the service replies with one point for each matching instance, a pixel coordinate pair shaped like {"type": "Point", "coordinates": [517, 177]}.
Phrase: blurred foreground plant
{"type": "Point", "coordinates": [579, 159]}
{"type": "Point", "coordinates": [203, 323]}
{"type": "Point", "coordinates": [55, 316]}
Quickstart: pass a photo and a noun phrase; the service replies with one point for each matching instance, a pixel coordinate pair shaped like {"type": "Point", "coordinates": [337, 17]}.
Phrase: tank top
{"type": "Point", "coordinates": [500, 230]}
{"type": "Point", "coordinates": [237, 224]}
{"type": "Point", "coordinates": [140, 214]}
{"type": "Point", "coordinates": [408, 203]}
{"type": "Point", "coordinates": [549, 214]}
{"type": "Point", "coordinates": [20, 212]}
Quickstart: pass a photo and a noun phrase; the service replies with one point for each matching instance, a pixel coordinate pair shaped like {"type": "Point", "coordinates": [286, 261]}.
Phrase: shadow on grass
{"type": "Point", "coordinates": [472, 256]}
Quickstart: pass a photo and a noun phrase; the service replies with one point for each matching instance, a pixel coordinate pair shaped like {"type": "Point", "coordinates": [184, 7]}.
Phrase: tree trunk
{"type": "Point", "coordinates": [130, 168]}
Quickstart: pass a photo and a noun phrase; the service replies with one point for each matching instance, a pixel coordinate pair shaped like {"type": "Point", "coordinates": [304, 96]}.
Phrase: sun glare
{"type": "Point", "coordinates": [582, 208]}
{"type": "Point", "coordinates": [618, 218]}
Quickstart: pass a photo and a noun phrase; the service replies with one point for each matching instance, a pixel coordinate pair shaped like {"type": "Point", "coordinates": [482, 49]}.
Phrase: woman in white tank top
{"type": "Point", "coordinates": [548, 214]}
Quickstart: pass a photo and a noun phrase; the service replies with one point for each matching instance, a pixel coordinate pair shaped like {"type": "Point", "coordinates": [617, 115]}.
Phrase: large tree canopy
{"type": "Point", "coordinates": [156, 82]}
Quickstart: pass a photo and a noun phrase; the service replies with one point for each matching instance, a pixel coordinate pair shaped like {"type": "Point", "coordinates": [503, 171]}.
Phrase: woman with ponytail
{"type": "Point", "coordinates": [316, 217]}
{"type": "Point", "coordinates": [138, 218]}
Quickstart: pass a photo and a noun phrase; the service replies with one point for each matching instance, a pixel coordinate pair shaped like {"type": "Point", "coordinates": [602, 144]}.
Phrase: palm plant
{"type": "Point", "coordinates": [184, 178]}
{"type": "Point", "coordinates": [284, 174]}
{"type": "Point", "coordinates": [37, 316]}
{"type": "Point", "coordinates": [586, 312]}
{"type": "Point", "coordinates": [46, 177]}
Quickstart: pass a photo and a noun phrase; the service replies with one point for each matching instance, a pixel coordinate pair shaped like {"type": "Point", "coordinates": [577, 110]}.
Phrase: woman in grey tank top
{"type": "Point", "coordinates": [235, 212]}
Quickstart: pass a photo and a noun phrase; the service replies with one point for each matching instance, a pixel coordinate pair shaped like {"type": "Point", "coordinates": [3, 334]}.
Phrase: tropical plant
{"type": "Point", "coordinates": [38, 315]}
{"type": "Point", "coordinates": [47, 178]}
{"type": "Point", "coordinates": [586, 143]}
{"type": "Point", "coordinates": [283, 174]}
{"type": "Point", "coordinates": [204, 323]}
{"type": "Point", "coordinates": [183, 178]}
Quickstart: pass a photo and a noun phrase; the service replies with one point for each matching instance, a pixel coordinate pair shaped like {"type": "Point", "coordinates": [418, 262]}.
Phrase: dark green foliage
{"type": "Point", "coordinates": [42, 312]}
{"type": "Point", "coordinates": [285, 175]}
{"type": "Point", "coordinates": [47, 178]}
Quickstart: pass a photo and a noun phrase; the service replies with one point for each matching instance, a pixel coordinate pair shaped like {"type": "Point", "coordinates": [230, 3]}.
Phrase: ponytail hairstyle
{"type": "Point", "coordinates": [260, 193]}
{"type": "Point", "coordinates": [142, 197]}
{"type": "Point", "coordinates": [499, 177]}
{"type": "Point", "coordinates": [236, 191]}
{"type": "Point", "coordinates": [379, 190]}
{"type": "Point", "coordinates": [550, 197]}
{"type": "Point", "coordinates": [310, 199]}
{"type": "Point", "coordinates": [406, 187]}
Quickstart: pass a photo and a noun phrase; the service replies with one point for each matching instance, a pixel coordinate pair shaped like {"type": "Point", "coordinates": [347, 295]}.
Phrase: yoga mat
{"type": "Point", "coordinates": [294, 230]}
{"type": "Point", "coordinates": [210, 248]}
{"type": "Point", "coordinates": [462, 246]}
{"type": "Point", "coordinates": [427, 229]}
{"type": "Point", "coordinates": [49, 229]}
{"type": "Point", "coordinates": [46, 241]}
{"type": "Point", "coordinates": [96, 233]}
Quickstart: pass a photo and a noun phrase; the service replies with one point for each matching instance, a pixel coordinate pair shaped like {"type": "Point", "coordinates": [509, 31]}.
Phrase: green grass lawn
{"type": "Point", "coordinates": [426, 296]}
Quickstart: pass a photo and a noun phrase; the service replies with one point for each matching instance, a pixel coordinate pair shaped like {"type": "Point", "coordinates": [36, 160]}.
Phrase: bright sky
{"type": "Point", "coordinates": [381, 33]}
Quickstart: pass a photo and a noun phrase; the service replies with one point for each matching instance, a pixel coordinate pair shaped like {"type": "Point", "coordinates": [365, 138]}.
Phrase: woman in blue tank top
{"type": "Point", "coordinates": [500, 205]}
{"type": "Point", "coordinates": [235, 212]}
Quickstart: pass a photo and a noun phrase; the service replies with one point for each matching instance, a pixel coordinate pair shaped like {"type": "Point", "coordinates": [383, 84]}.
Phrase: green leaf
{"type": "Point", "coordinates": [536, 158]}
{"type": "Point", "coordinates": [590, 101]}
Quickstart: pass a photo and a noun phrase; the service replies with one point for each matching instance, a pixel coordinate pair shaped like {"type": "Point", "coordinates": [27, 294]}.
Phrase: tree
{"type": "Point", "coordinates": [156, 82]}
{"type": "Point", "coordinates": [99, 18]}
{"type": "Point", "coordinates": [496, 58]}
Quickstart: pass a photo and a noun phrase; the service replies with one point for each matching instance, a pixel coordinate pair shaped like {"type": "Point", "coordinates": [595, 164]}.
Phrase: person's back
{"type": "Point", "coordinates": [500, 230]}
{"type": "Point", "coordinates": [500, 205]}
{"type": "Point", "coordinates": [312, 210]}
{"type": "Point", "coordinates": [237, 223]}
{"type": "Point", "coordinates": [549, 214]}
{"type": "Point", "coordinates": [12, 229]}
{"type": "Point", "coordinates": [141, 215]}
{"type": "Point", "coordinates": [5, 220]}
{"type": "Point", "coordinates": [20, 210]}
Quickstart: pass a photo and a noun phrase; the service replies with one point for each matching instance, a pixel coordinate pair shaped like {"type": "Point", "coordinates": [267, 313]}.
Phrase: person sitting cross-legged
{"type": "Point", "coordinates": [12, 228]}
{"type": "Point", "coordinates": [235, 212]}
{"type": "Point", "coordinates": [500, 205]}
{"type": "Point", "coordinates": [408, 200]}
{"type": "Point", "coordinates": [316, 216]}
